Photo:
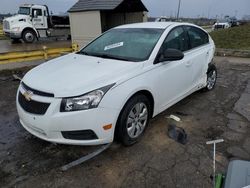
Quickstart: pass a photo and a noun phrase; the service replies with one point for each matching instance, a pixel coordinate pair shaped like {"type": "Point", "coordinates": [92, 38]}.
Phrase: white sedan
{"type": "Point", "coordinates": [113, 86]}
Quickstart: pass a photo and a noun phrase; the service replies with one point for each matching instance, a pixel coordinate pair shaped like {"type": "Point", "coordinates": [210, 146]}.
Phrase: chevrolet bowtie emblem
{"type": "Point", "coordinates": [27, 95]}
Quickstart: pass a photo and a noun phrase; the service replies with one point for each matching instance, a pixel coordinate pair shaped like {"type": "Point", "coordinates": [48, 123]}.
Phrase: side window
{"type": "Point", "coordinates": [197, 36]}
{"type": "Point", "coordinates": [39, 12]}
{"type": "Point", "coordinates": [176, 39]}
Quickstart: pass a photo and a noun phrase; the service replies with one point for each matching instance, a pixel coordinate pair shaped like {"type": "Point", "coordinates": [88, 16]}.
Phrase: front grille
{"type": "Point", "coordinates": [6, 25]}
{"type": "Point", "coordinates": [32, 106]}
{"type": "Point", "coordinates": [80, 135]}
{"type": "Point", "coordinates": [36, 92]}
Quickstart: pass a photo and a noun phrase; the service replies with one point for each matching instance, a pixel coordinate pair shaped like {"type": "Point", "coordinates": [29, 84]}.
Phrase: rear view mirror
{"type": "Point", "coordinates": [171, 55]}
{"type": "Point", "coordinates": [35, 13]}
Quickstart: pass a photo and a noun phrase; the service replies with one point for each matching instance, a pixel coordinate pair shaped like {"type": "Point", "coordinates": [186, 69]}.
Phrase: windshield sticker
{"type": "Point", "coordinates": [116, 45]}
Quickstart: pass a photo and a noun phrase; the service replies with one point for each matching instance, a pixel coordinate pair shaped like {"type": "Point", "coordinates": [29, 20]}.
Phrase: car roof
{"type": "Point", "coordinates": [154, 25]}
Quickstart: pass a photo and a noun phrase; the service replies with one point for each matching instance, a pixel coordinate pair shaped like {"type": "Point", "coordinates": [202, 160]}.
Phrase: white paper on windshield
{"type": "Point", "coordinates": [116, 45]}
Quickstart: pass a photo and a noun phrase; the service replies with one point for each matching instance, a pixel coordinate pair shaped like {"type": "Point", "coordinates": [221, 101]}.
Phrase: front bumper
{"type": "Point", "coordinates": [13, 35]}
{"type": "Point", "coordinates": [50, 126]}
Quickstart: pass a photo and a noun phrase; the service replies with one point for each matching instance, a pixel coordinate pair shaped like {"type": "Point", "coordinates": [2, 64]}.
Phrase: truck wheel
{"type": "Point", "coordinates": [29, 36]}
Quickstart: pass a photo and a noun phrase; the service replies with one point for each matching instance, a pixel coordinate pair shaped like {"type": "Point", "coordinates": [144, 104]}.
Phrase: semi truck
{"type": "Point", "coordinates": [33, 22]}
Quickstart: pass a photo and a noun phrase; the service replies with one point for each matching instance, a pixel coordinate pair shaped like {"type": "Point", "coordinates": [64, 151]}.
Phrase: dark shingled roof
{"type": "Point", "coordinates": [91, 5]}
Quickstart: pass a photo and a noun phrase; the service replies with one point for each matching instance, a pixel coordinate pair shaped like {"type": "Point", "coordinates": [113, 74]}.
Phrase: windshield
{"type": "Point", "coordinates": [24, 10]}
{"type": "Point", "coordinates": [130, 44]}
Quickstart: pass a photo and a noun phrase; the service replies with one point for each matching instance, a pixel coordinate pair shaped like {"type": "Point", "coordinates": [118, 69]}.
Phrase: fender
{"type": "Point", "coordinates": [24, 26]}
{"type": "Point", "coordinates": [33, 29]}
{"type": "Point", "coordinates": [124, 91]}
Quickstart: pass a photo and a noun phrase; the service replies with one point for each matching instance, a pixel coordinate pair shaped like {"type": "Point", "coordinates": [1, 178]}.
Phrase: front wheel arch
{"type": "Point", "coordinates": [30, 29]}
{"type": "Point", "coordinates": [211, 67]}
{"type": "Point", "coordinates": [145, 93]}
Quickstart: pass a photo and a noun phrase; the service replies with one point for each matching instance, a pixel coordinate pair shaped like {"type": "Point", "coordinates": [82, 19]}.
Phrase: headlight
{"type": "Point", "coordinates": [16, 29]}
{"type": "Point", "coordinates": [86, 101]}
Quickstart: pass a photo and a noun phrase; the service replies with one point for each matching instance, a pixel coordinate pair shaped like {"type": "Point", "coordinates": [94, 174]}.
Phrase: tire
{"type": "Point", "coordinates": [29, 36]}
{"type": "Point", "coordinates": [211, 78]}
{"type": "Point", "coordinates": [130, 126]}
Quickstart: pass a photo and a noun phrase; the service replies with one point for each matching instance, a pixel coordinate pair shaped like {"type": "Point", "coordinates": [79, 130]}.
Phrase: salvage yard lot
{"type": "Point", "coordinates": [156, 160]}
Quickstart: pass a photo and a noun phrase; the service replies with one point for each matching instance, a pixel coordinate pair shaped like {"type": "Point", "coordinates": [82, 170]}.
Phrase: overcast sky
{"type": "Point", "coordinates": [189, 8]}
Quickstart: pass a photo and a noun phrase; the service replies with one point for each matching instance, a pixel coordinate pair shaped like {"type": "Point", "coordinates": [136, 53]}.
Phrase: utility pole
{"type": "Point", "coordinates": [178, 12]}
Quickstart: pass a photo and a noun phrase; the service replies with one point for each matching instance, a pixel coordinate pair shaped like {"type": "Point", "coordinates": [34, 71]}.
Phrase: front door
{"type": "Point", "coordinates": [175, 77]}
{"type": "Point", "coordinates": [38, 19]}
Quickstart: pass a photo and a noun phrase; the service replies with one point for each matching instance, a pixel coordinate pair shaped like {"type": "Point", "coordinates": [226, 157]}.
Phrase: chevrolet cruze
{"type": "Point", "coordinates": [113, 86]}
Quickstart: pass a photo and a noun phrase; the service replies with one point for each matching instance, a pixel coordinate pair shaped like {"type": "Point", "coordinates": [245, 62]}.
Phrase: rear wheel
{"type": "Point", "coordinates": [133, 120]}
{"type": "Point", "coordinates": [29, 36]}
{"type": "Point", "coordinates": [211, 78]}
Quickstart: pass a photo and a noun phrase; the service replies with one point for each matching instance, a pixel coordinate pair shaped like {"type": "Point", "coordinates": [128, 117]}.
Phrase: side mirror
{"type": "Point", "coordinates": [35, 13]}
{"type": "Point", "coordinates": [171, 55]}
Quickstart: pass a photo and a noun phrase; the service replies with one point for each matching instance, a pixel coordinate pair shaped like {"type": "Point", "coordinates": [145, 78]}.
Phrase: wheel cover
{"type": "Point", "coordinates": [137, 120]}
{"type": "Point", "coordinates": [29, 37]}
{"type": "Point", "coordinates": [211, 79]}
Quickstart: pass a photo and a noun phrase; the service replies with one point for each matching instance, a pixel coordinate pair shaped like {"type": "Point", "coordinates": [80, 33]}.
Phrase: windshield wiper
{"type": "Point", "coordinates": [107, 56]}
{"type": "Point", "coordinates": [84, 53]}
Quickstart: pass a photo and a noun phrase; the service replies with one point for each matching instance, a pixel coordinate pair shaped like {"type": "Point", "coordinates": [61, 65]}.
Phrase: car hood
{"type": "Point", "coordinates": [74, 74]}
{"type": "Point", "coordinates": [16, 18]}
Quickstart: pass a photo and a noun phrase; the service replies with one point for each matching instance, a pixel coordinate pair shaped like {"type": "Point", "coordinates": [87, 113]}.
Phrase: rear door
{"type": "Point", "coordinates": [199, 51]}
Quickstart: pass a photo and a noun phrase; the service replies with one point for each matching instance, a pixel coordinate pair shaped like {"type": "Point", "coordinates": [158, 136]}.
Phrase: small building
{"type": "Point", "coordinates": [89, 18]}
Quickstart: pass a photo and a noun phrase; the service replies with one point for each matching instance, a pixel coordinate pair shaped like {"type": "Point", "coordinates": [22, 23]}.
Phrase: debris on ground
{"type": "Point", "coordinates": [86, 157]}
{"type": "Point", "coordinates": [177, 133]}
{"type": "Point", "coordinates": [16, 77]}
{"type": "Point", "coordinates": [176, 118]}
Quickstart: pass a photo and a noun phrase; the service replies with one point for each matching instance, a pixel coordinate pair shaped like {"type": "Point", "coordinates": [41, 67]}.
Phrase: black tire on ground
{"type": "Point", "coordinates": [134, 120]}
{"type": "Point", "coordinates": [29, 36]}
{"type": "Point", "coordinates": [211, 77]}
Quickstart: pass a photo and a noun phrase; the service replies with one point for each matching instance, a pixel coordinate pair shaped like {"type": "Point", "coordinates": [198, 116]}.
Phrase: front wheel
{"type": "Point", "coordinates": [29, 36]}
{"type": "Point", "coordinates": [133, 120]}
{"type": "Point", "coordinates": [211, 78]}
